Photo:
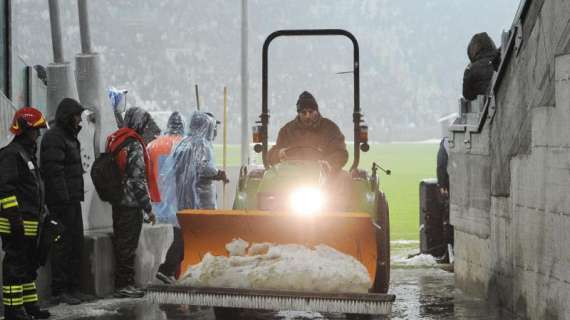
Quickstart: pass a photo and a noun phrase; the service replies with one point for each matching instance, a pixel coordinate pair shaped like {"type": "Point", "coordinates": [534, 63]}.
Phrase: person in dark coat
{"type": "Point", "coordinates": [310, 136]}
{"type": "Point", "coordinates": [443, 186]}
{"type": "Point", "coordinates": [62, 170]}
{"type": "Point", "coordinates": [140, 190]}
{"type": "Point", "coordinates": [442, 175]}
{"type": "Point", "coordinates": [21, 206]}
{"type": "Point", "coordinates": [485, 60]}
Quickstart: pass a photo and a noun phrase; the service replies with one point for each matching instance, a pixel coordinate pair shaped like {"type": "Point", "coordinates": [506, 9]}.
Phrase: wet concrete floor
{"type": "Point", "coordinates": [422, 292]}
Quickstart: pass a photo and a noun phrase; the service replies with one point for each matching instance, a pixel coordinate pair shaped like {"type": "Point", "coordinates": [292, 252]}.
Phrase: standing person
{"type": "Point", "coordinates": [21, 204]}
{"type": "Point", "coordinates": [443, 187]}
{"type": "Point", "coordinates": [62, 171]}
{"type": "Point", "coordinates": [140, 189]}
{"type": "Point", "coordinates": [159, 149]}
{"type": "Point", "coordinates": [191, 169]}
{"type": "Point", "coordinates": [442, 175]}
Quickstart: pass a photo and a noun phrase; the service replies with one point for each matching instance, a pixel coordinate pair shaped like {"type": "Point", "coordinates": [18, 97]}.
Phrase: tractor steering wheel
{"type": "Point", "coordinates": [303, 153]}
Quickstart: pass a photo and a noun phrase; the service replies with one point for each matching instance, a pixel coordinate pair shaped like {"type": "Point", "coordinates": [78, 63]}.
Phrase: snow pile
{"type": "Point", "coordinates": [280, 267]}
{"type": "Point", "coordinates": [417, 261]}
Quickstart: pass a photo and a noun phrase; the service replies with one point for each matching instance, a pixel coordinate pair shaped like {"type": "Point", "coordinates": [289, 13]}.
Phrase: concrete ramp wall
{"type": "Point", "coordinates": [510, 187]}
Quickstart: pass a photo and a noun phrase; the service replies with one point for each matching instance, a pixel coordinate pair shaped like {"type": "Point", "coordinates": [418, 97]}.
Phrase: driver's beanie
{"type": "Point", "coordinates": [307, 101]}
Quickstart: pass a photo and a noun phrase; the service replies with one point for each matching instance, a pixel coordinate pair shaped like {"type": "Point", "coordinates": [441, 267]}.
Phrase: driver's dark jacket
{"type": "Point", "coordinates": [324, 136]}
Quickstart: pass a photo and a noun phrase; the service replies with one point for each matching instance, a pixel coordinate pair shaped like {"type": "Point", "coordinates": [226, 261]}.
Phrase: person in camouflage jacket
{"type": "Point", "coordinates": [140, 188]}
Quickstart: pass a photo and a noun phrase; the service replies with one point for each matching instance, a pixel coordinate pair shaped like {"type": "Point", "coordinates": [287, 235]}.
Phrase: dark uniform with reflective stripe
{"type": "Point", "coordinates": [21, 204]}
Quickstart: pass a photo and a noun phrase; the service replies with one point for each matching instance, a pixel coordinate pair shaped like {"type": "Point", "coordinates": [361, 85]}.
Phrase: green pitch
{"type": "Point", "coordinates": [409, 163]}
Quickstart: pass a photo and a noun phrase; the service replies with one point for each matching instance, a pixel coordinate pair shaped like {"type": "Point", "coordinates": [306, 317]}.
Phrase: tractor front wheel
{"type": "Point", "coordinates": [382, 279]}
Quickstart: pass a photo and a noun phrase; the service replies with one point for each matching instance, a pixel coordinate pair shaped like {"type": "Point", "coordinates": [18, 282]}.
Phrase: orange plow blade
{"type": "Point", "coordinates": [210, 230]}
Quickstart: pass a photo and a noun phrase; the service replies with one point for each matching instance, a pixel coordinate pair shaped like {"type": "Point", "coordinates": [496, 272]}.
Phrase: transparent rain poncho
{"type": "Point", "coordinates": [186, 178]}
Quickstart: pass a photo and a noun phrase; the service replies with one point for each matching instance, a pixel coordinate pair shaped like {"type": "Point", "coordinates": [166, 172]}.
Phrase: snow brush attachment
{"type": "Point", "coordinates": [352, 303]}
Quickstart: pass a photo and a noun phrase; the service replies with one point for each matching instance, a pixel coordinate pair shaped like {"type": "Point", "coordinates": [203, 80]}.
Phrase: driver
{"type": "Point", "coordinates": [310, 136]}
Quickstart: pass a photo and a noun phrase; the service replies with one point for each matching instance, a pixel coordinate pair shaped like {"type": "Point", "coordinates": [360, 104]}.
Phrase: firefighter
{"type": "Point", "coordinates": [21, 205]}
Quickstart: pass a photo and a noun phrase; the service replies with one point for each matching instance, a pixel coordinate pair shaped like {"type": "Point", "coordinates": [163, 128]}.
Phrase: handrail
{"type": "Point", "coordinates": [512, 46]}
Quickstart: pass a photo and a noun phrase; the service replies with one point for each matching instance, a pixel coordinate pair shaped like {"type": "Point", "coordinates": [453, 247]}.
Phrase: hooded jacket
{"type": "Point", "coordinates": [324, 135]}
{"type": "Point", "coordinates": [134, 162]}
{"type": "Point", "coordinates": [60, 157]}
{"type": "Point", "coordinates": [189, 171]}
{"type": "Point", "coordinates": [160, 148]}
{"type": "Point", "coordinates": [485, 59]}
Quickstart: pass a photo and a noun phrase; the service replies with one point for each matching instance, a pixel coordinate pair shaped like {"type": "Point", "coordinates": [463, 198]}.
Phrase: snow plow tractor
{"type": "Point", "coordinates": [294, 202]}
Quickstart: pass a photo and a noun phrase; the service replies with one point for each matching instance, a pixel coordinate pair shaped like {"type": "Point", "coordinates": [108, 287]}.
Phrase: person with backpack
{"type": "Point", "coordinates": [159, 149]}
{"type": "Point", "coordinates": [140, 189]}
{"type": "Point", "coordinates": [62, 170]}
{"type": "Point", "coordinates": [21, 207]}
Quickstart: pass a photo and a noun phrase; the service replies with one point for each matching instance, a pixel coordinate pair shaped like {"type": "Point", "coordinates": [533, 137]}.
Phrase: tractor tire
{"type": "Point", "coordinates": [382, 279]}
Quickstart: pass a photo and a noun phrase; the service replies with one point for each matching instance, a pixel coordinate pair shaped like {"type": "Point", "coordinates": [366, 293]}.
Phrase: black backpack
{"type": "Point", "coordinates": [107, 177]}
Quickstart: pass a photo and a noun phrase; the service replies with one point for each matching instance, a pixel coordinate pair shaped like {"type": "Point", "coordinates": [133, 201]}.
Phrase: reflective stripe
{"type": "Point", "coordinates": [12, 289]}
{"type": "Point", "coordinates": [31, 228]}
{"type": "Point", "coordinates": [29, 286]}
{"type": "Point", "coordinates": [9, 202]}
{"type": "Point", "coordinates": [13, 302]}
{"type": "Point", "coordinates": [9, 205]}
{"type": "Point", "coordinates": [30, 298]}
{"type": "Point", "coordinates": [8, 199]}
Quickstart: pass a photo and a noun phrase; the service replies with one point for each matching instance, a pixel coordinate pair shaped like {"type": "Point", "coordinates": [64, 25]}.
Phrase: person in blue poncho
{"type": "Point", "coordinates": [193, 165]}
{"type": "Point", "coordinates": [187, 175]}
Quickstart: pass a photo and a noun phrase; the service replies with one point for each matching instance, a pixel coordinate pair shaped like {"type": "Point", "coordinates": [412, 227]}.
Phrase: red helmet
{"type": "Point", "coordinates": [27, 117]}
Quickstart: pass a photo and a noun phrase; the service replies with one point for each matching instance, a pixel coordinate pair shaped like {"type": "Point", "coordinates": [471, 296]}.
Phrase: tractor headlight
{"type": "Point", "coordinates": [306, 201]}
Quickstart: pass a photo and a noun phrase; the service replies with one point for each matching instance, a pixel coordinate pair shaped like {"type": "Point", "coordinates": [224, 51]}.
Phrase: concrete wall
{"type": "Point", "coordinates": [510, 193]}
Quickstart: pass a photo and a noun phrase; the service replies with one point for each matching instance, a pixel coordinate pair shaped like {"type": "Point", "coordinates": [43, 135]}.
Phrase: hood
{"type": "Point", "coordinates": [480, 46]}
{"type": "Point", "coordinates": [136, 119]}
{"type": "Point", "coordinates": [203, 125]}
{"type": "Point", "coordinates": [175, 124]}
{"type": "Point", "coordinates": [66, 109]}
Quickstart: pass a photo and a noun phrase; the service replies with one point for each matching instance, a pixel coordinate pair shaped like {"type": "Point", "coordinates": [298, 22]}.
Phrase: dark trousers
{"type": "Point", "coordinates": [19, 271]}
{"type": "Point", "coordinates": [127, 226]}
{"type": "Point", "coordinates": [175, 254]}
{"type": "Point", "coordinates": [66, 253]}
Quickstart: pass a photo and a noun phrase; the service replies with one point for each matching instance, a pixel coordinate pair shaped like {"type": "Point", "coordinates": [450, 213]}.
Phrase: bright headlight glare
{"type": "Point", "coordinates": [306, 200]}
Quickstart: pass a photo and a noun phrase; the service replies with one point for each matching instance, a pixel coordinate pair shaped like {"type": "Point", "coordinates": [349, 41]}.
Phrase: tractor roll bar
{"type": "Point", "coordinates": [356, 115]}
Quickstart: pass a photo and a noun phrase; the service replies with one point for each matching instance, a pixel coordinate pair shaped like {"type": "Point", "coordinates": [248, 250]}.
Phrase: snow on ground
{"type": "Point", "coordinates": [295, 315]}
{"type": "Point", "coordinates": [404, 242]}
{"type": "Point", "coordinates": [280, 267]}
{"type": "Point", "coordinates": [99, 308]}
{"type": "Point", "coordinates": [420, 260]}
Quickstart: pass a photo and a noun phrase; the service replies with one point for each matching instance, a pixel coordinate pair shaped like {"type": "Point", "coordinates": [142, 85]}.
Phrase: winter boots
{"type": "Point", "coordinates": [33, 309]}
{"type": "Point", "coordinates": [16, 313]}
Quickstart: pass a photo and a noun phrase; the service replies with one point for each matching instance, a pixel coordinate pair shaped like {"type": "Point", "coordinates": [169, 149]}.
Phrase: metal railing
{"type": "Point", "coordinates": [474, 114]}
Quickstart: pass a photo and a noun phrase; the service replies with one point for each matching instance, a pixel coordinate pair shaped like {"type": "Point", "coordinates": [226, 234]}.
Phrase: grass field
{"type": "Point", "coordinates": [409, 163]}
